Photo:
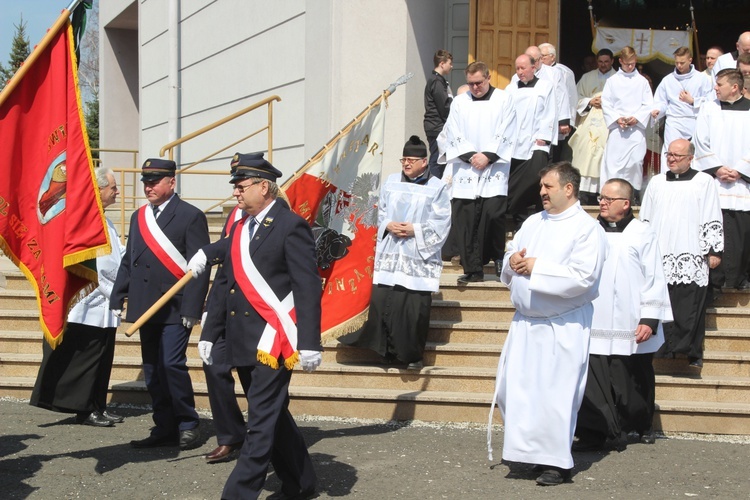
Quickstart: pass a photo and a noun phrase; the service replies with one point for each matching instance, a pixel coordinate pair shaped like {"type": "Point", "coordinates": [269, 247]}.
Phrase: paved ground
{"type": "Point", "coordinates": [45, 455]}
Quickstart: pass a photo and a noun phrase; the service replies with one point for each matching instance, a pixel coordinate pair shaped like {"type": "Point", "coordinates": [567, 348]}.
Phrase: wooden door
{"type": "Point", "coordinates": [502, 29]}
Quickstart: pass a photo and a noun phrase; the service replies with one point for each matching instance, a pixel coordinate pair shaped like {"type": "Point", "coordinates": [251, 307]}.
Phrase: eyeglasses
{"type": "Point", "coordinates": [242, 189]}
{"type": "Point", "coordinates": [607, 200]}
{"type": "Point", "coordinates": [409, 161]}
{"type": "Point", "coordinates": [676, 156]}
{"type": "Point", "coordinates": [476, 84]}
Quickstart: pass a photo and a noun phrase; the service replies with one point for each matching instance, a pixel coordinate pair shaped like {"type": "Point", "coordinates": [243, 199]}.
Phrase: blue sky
{"type": "Point", "coordinates": [39, 16]}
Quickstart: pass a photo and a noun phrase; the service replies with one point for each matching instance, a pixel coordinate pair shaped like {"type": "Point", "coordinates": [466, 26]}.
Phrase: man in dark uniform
{"type": "Point", "coordinates": [437, 104]}
{"type": "Point", "coordinates": [163, 235]}
{"type": "Point", "coordinates": [268, 301]}
{"type": "Point", "coordinates": [227, 416]}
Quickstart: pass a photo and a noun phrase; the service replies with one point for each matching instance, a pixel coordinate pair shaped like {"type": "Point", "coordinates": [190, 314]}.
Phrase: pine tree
{"type": "Point", "coordinates": [19, 51]}
{"type": "Point", "coordinates": [92, 124]}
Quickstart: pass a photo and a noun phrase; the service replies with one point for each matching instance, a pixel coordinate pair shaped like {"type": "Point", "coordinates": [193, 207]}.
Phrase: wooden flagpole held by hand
{"type": "Point", "coordinates": [159, 303]}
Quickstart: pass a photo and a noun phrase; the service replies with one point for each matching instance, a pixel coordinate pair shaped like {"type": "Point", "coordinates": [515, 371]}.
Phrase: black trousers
{"type": "Point", "coordinates": [74, 378]}
{"type": "Point", "coordinates": [272, 438]}
{"type": "Point", "coordinates": [523, 186]}
{"type": "Point", "coordinates": [229, 421]}
{"type": "Point", "coordinates": [435, 168]}
{"type": "Point", "coordinates": [479, 230]}
{"type": "Point", "coordinates": [163, 349]}
{"type": "Point", "coordinates": [736, 257]}
{"type": "Point", "coordinates": [619, 397]}
{"type": "Point", "coordinates": [686, 333]}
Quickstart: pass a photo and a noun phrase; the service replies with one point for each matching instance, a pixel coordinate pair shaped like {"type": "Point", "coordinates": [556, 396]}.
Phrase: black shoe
{"type": "Point", "coordinates": [155, 442]}
{"type": "Point", "coordinates": [553, 477]}
{"type": "Point", "coordinates": [94, 419]}
{"type": "Point", "coordinates": [416, 365]}
{"type": "Point", "coordinates": [498, 268]}
{"type": "Point", "coordinates": [112, 417]}
{"type": "Point", "coordinates": [695, 363]}
{"type": "Point", "coordinates": [190, 438]}
{"type": "Point", "coordinates": [648, 437]}
{"type": "Point", "coordinates": [745, 285]}
{"type": "Point", "coordinates": [584, 445]}
{"type": "Point", "coordinates": [303, 495]}
{"type": "Point", "coordinates": [470, 278]}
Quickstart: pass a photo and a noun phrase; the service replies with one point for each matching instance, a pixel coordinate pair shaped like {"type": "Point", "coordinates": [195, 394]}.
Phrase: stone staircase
{"type": "Point", "coordinates": [468, 327]}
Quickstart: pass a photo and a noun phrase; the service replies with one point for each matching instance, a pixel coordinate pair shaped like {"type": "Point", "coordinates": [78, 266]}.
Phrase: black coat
{"type": "Point", "coordinates": [283, 250]}
{"type": "Point", "coordinates": [143, 279]}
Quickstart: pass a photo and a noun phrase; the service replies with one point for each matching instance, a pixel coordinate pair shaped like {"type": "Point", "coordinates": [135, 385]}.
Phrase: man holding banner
{"type": "Point", "coordinates": [163, 235]}
{"type": "Point", "coordinates": [268, 305]}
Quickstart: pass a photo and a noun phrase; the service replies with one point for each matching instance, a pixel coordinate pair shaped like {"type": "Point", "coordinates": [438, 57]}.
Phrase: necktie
{"type": "Point", "coordinates": [156, 211]}
{"type": "Point", "coordinates": [251, 223]}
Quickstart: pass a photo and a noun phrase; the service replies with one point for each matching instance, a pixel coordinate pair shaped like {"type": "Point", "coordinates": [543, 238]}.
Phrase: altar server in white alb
{"type": "Point", "coordinates": [478, 147]}
{"type": "Point", "coordinates": [414, 217]}
{"type": "Point", "coordinates": [552, 266]}
{"type": "Point", "coordinates": [679, 97]}
{"type": "Point", "coordinates": [682, 207]}
{"type": "Point", "coordinates": [626, 330]}
{"type": "Point", "coordinates": [722, 149]}
{"type": "Point", "coordinates": [534, 101]}
{"type": "Point", "coordinates": [627, 102]}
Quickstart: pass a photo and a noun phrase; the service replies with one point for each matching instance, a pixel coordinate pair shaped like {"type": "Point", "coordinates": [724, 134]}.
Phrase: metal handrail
{"type": "Point", "coordinates": [267, 101]}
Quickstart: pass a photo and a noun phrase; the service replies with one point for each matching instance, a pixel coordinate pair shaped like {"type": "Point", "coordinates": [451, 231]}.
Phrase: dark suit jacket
{"type": "Point", "coordinates": [284, 253]}
{"type": "Point", "coordinates": [143, 279]}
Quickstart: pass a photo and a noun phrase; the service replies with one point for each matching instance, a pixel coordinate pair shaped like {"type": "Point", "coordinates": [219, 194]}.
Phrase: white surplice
{"type": "Point", "coordinates": [535, 117]}
{"type": "Point", "coordinates": [722, 138]}
{"type": "Point", "coordinates": [632, 287]}
{"type": "Point", "coordinates": [479, 126]}
{"type": "Point", "coordinates": [680, 115]}
{"type": "Point", "coordinates": [569, 83]}
{"type": "Point", "coordinates": [686, 216]}
{"type": "Point", "coordinates": [626, 95]}
{"type": "Point", "coordinates": [555, 77]}
{"type": "Point", "coordinates": [414, 262]}
{"type": "Point", "coordinates": [541, 375]}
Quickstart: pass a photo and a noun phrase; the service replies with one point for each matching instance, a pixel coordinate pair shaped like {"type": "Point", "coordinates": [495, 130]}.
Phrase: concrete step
{"type": "Point", "coordinates": [703, 388]}
{"type": "Point", "coordinates": [444, 406]}
{"type": "Point", "coordinates": [472, 310]}
{"type": "Point", "coordinates": [491, 289]}
{"type": "Point", "coordinates": [15, 299]}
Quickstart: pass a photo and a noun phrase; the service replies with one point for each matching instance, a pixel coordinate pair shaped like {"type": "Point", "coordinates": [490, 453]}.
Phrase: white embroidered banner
{"type": "Point", "coordinates": [648, 44]}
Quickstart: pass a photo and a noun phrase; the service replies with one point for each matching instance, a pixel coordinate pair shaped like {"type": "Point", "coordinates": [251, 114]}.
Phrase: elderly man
{"type": "Point", "coordinates": [163, 235]}
{"type": "Point", "coordinates": [561, 151]}
{"type": "Point", "coordinates": [729, 60]}
{"type": "Point", "coordinates": [723, 151]}
{"type": "Point", "coordinates": [682, 206]}
{"type": "Point", "coordinates": [555, 77]}
{"type": "Point", "coordinates": [587, 143]}
{"type": "Point", "coordinates": [627, 102]}
{"type": "Point", "coordinates": [626, 329]}
{"type": "Point", "coordinates": [478, 147]}
{"type": "Point", "coordinates": [552, 267]}
{"type": "Point", "coordinates": [414, 217]}
{"type": "Point", "coordinates": [533, 100]}
{"type": "Point", "coordinates": [679, 97]}
{"type": "Point", "coordinates": [268, 306]}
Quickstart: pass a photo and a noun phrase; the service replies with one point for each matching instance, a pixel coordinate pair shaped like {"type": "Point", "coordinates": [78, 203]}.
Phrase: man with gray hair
{"type": "Point", "coordinates": [549, 57]}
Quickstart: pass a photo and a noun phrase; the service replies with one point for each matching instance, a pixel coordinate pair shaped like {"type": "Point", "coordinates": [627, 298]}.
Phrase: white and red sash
{"type": "Point", "coordinates": [235, 215]}
{"type": "Point", "coordinates": [159, 244]}
{"type": "Point", "coordinates": [279, 338]}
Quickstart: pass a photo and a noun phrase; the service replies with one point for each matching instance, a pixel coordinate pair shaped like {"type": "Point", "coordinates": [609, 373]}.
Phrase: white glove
{"type": "Point", "coordinates": [117, 312]}
{"type": "Point", "coordinates": [204, 351]}
{"type": "Point", "coordinates": [203, 318]}
{"type": "Point", "coordinates": [189, 322]}
{"type": "Point", "coordinates": [310, 360]}
{"type": "Point", "coordinates": [197, 264]}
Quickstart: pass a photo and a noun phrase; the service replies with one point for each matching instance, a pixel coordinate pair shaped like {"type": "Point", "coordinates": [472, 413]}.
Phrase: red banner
{"type": "Point", "coordinates": [49, 226]}
{"type": "Point", "coordinates": [337, 193]}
